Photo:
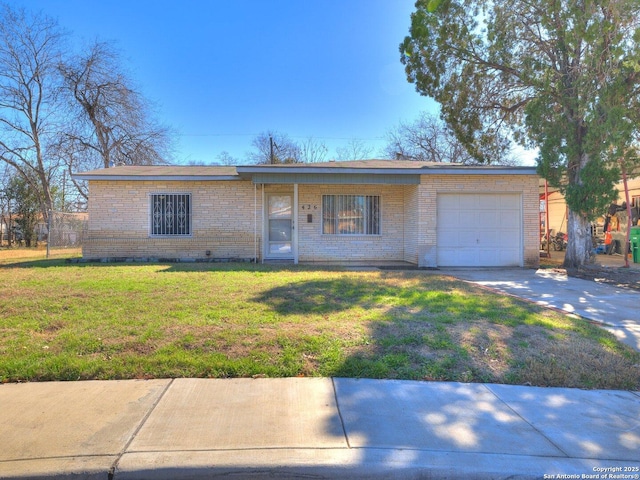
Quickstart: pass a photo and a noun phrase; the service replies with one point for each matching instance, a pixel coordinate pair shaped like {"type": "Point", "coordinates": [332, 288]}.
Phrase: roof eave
{"type": "Point", "coordinates": [464, 170]}
{"type": "Point", "coordinates": [171, 178]}
{"type": "Point", "coordinates": [480, 171]}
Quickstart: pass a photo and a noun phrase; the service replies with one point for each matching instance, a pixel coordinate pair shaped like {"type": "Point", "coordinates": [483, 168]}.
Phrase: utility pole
{"type": "Point", "coordinates": [64, 184]}
{"type": "Point", "coordinates": [270, 149]}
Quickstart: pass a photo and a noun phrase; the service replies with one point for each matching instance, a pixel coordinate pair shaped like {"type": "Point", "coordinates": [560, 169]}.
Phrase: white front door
{"type": "Point", "coordinates": [279, 216]}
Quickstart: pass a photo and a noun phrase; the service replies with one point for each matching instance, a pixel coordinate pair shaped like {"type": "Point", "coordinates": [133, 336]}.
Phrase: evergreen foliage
{"type": "Point", "coordinates": [561, 76]}
{"type": "Point", "coordinates": [26, 205]}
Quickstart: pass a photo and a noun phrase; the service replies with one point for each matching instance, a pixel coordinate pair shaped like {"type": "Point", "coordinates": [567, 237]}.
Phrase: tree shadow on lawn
{"type": "Point", "coordinates": [36, 264]}
{"type": "Point", "coordinates": [442, 329]}
{"type": "Point", "coordinates": [164, 266]}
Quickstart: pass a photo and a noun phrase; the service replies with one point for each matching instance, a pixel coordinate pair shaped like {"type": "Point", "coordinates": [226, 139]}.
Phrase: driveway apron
{"type": "Point", "coordinates": [616, 309]}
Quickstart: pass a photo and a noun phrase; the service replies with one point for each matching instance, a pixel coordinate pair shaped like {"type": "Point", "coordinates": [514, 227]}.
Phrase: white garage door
{"type": "Point", "coordinates": [479, 230]}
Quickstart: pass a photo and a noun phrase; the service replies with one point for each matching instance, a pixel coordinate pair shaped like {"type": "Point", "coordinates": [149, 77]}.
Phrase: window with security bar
{"type": "Point", "coordinates": [351, 214]}
{"type": "Point", "coordinates": [171, 214]}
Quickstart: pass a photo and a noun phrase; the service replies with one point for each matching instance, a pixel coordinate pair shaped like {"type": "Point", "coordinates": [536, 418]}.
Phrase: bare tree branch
{"type": "Point", "coordinates": [355, 149]}
{"type": "Point", "coordinates": [29, 52]}
{"type": "Point", "coordinates": [112, 118]}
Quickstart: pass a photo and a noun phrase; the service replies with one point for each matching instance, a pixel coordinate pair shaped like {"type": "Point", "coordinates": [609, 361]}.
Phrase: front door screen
{"type": "Point", "coordinates": [279, 225]}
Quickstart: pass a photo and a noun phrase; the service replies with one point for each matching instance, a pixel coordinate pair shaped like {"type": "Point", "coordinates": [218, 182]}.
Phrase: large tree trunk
{"type": "Point", "coordinates": [625, 250]}
{"type": "Point", "coordinates": [580, 245]}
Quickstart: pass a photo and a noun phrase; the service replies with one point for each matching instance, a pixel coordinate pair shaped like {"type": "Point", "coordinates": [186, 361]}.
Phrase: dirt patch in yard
{"type": "Point", "coordinates": [603, 270]}
{"type": "Point", "coordinates": [617, 276]}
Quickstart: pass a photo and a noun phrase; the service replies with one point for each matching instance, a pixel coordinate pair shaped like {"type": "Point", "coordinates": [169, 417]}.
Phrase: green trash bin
{"type": "Point", "coordinates": [634, 239]}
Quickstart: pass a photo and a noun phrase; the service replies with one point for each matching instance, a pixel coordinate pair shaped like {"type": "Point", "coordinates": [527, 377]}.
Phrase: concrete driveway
{"type": "Point", "coordinates": [617, 309]}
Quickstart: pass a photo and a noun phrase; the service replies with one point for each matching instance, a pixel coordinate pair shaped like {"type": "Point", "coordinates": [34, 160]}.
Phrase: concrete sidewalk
{"type": "Point", "coordinates": [616, 309]}
{"type": "Point", "coordinates": [313, 428]}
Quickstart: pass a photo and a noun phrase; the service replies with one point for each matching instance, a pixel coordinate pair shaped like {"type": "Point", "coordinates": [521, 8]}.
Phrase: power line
{"type": "Point", "coordinates": [290, 136]}
{"type": "Point", "coordinates": [218, 134]}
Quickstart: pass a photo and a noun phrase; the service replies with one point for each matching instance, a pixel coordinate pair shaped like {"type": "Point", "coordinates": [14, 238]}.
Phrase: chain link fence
{"type": "Point", "coordinates": [66, 230]}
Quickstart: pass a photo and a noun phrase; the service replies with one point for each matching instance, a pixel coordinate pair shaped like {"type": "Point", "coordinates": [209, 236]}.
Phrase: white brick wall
{"type": "Point", "coordinates": [431, 185]}
{"type": "Point", "coordinates": [225, 216]}
{"type": "Point", "coordinates": [222, 220]}
{"type": "Point", "coordinates": [411, 223]}
{"type": "Point", "coordinates": [315, 246]}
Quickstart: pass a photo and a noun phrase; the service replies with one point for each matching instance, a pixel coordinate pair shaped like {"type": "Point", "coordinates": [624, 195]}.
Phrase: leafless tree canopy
{"type": "Point", "coordinates": [74, 112]}
{"type": "Point", "coordinates": [426, 139]}
{"type": "Point", "coordinates": [274, 147]}
{"type": "Point", "coordinates": [225, 158]}
{"type": "Point", "coordinates": [313, 151]}
{"type": "Point", "coordinates": [112, 122]}
{"type": "Point", "coordinates": [29, 53]}
{"type": "Point", "coordinates": [355, 149]}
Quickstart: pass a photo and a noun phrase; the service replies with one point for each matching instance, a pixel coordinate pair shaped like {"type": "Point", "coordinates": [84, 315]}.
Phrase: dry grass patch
{"type": "Point", "coordinates": [22, 254]}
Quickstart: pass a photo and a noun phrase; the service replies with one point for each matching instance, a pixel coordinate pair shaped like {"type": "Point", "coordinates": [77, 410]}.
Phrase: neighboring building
{"type": "Point", "coordinates": [369, 212]}
{"type": "Point", "coordinates": [558, 212]}
{"type": "Point", "coordinates": [4, 229]}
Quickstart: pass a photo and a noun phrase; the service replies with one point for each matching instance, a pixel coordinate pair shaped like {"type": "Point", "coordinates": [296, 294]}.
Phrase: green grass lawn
{"type": "Point", "coordinates": [65, 321]}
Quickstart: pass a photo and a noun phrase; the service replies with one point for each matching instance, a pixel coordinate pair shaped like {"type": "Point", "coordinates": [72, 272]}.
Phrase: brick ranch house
{"type": "Point", "coordinates": [369, 212]}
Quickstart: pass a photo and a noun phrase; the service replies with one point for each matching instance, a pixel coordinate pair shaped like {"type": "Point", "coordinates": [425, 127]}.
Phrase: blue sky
{"type": "Point", "coordinates": [222, 71]}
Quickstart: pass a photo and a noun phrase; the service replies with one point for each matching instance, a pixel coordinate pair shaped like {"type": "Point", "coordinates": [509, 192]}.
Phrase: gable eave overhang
{"type": "Point", "coordinates": [333, 179]}
{"type": "Point", "coordinates": [310, 174]}
{"type": "Point", "coordinates": [395, 176]}
{"type": "Point", "coordinates": [147, 178]}
{"type": "Point", "coordinates": [430, 170]}
{"type": "Point", "coordinates": [529, 171]}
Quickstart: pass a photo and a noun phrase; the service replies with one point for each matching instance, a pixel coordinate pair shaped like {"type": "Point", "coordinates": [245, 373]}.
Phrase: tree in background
{"type": "Point", "coordinates": [25, 203]}
{"type": "Point", "coordinates": [274, 147]}
{"type": "Point", "coordinates": [30, 50]}
{"type": "Point", "coordinates": [6, 205]}
{"type": "Point", "coordinates": [312, 151]}
{"type": "Point", "coordinates": [111, 122]}
{"type": "Point", "coordinates": [62, 112]}
{"type": "Point", "coordinates": [225, 158]}
{"type": "Point", "coordinates": [355, 149]}
{"type": "Point", "coordinates": [426, 139]}
{"type": "Point", "coordinates": [551, 75]}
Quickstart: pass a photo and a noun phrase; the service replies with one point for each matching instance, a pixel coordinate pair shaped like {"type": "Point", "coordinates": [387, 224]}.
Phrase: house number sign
{"type": "Point", "coordinates": [308, 207]}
